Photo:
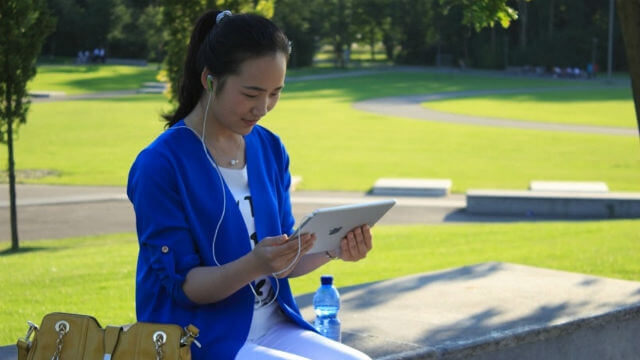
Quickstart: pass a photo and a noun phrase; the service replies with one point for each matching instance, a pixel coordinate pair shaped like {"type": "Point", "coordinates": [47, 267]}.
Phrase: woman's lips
{"type": "Point", "coordinates": [250, 122]}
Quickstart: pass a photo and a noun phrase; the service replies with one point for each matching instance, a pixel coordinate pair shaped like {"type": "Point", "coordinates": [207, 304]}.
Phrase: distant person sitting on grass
{"type": "Point", "coordinates": [213, 213]}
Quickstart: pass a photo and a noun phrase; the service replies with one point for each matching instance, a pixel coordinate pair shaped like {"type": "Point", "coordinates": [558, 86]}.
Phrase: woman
{"type": "Point", "coordinates": [213, 214]}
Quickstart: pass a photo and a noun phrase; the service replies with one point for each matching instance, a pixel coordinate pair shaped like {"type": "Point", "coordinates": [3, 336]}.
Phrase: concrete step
{"type": "Point", "coordinates": [154, 84]}
{"type": "Point", "coordinates": [151, 90]}
{"type": "Point", "coordinates": [295, 182]}
{"type": "Point", "coordinates": [569, 186]}
{"type": "Point", "coordinates": [47, 94]}
{"type": "Point", "coordinates": [554, 204]}
{"type": "Point", "coordinates": [493, 311]}
{"type": "Point", "coordinates": [411, 187]}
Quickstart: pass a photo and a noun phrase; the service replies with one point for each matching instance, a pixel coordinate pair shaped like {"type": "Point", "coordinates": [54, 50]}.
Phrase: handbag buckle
{"type": "Point", "coordinates": [32, 327]}
{"type": "Point", "coordinates": [190, 337]}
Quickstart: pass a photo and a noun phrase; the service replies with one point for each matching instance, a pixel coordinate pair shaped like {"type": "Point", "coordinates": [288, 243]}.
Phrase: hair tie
{"type": "Point", "coordinates": [222, 15]}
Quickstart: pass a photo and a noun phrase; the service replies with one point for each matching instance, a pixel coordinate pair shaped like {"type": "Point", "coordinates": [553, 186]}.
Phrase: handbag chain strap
{"type": "Point", "coordinates": [159, 340]}
{"type": "Point", "coordinates": [63, 329]}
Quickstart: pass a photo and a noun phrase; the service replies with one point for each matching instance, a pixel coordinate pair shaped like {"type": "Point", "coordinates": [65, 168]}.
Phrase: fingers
{"type": "Point", "coordinates": [291, 261]}
{"type": "Point", "coordinates": [274, 240]}
{"type": "Point", "coordinates": [306, 242]}
{"type": "Point", "coordinates": [279, 252]}
{"type": "Point", "coordinates": [356, 244]}
{"type": "Point", "coordinates": [368, 239]}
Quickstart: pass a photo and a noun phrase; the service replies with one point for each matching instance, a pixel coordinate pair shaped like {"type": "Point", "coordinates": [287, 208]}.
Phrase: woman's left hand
{"type": "Point", "coordinates": [356, 244]}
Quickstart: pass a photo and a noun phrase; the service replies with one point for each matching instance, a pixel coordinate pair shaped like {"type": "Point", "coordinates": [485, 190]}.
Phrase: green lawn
{"type": "Point", "coordinates": [95, 275]}
{"type": "Point", "coordinates": [77, 79]}
{"type": "Point", "coordinates": [89, 141]}
{"type": "Point", "coordinates": [606, 107]}
{"type": "Point", "coordinates": [333, 146]}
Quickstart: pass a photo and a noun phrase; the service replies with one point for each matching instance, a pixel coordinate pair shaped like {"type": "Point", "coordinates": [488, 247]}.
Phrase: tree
{"type": "Point", "coordinates": [23, 26]}
{"type": "Point", "coordinates": [300, 22]}
{"type": "Point", "coordinates": [339, 30]}
{"type": "Point", "coordinates": [81, 25]}
{"type": "Point", "coordinates": [415, 21]}
{"type": "Point", "coordinates": [178, 17]}
{"type": "Point", "coordinates": [373, 21]}
{"type": "Point", "coordinates": [629, 14]}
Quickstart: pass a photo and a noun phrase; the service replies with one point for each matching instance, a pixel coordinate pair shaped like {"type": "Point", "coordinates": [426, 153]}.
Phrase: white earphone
{"type": "Point", "coordinates": [210, 82]}
{"type": "Point", "coordinates": [224, 200]}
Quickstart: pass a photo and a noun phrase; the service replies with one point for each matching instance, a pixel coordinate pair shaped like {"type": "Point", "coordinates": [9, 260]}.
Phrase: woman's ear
{"type": "Point", "coordinates": [206, 79]}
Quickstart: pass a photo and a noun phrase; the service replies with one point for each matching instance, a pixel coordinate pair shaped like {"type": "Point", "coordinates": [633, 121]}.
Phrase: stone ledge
{"type": "Point", "coordinates": [569, 186]}
{"type": "Point", "coordinates": [411, 187]}
{"type": "Point", "coordinates": [295, 182]}
{"type": "Point", "coordinates": [512, 345]}
{"type": "Point", "coordinates": [554, 204]}
{"type": "Point", "coordinates": [47, 94]}
{"type": "Point", "coordinates": [492, 311]}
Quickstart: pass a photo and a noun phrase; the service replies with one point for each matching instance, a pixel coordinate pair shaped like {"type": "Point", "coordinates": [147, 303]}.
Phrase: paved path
{"type": "Point", "coordinates": [51, 211]}
{"type": "Point", "coordinates": [410, 106]}
{"type": "Point", "coordinates": [87, 96]}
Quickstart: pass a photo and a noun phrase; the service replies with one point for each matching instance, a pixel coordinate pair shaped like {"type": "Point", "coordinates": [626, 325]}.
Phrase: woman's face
{"type": "Point", "coordinates": [247, 96]}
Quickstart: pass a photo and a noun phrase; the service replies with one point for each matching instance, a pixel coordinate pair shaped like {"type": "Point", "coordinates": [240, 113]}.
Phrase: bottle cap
{"type": "Point", "coordinates": [326, 280]}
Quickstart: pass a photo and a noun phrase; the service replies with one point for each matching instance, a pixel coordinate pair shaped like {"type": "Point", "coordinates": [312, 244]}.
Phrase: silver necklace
{"type": "Point", "coordinates": [233, 162]}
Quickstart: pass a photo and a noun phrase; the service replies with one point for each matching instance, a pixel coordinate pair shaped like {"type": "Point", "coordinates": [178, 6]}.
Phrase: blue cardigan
{"type": "Point", "coordinates": [176, 196]}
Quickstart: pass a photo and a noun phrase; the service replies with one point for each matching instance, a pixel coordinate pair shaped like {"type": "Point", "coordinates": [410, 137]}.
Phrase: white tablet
{"type": "Point", "coordinates": [333, 223]}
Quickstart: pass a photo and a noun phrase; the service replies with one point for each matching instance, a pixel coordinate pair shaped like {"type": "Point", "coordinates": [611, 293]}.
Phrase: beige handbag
{"type": "Point", "coordinates": [74, 337]}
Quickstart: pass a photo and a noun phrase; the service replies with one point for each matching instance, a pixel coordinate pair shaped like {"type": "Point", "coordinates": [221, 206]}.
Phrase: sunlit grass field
{"type": "Point", "coordinates": [333, 146]}
{"type": "Point", "coordinates": [77, 79]}
{"type": "Point", "coordinates": [610, 107]}
{"type": "Point", "coordinates": [96, 275]}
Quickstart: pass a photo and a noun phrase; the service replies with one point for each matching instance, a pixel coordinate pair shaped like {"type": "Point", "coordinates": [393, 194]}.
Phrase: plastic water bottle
{"type": "Point", "coordinates": [326, 303]}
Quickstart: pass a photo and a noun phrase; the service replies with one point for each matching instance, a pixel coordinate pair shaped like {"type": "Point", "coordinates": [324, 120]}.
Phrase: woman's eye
{"type": "Point", "coordinates": [250, 96]}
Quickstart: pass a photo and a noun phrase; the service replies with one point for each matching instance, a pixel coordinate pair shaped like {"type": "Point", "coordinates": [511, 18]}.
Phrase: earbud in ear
{"type": "Point", "coordinates": [210, 82]}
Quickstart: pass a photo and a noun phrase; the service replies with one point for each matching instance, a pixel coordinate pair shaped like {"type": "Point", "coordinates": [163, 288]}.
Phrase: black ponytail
{"type": "Point", "coordinates": [222, 48]}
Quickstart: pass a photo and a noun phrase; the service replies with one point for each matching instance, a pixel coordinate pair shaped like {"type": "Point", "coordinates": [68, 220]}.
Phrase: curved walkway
{"type": "Point", "coordinates": [86, 96]}
{"type": "Point", "coordinates": [410, 106]}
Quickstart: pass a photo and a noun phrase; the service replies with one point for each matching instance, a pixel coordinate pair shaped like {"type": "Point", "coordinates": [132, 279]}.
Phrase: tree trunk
{"type": "Point", "coordinates": [552, 6]}
{"type": "Point", "coordinates": [523, 23]}
{"type": "Point", "coordinates": [629, 15]}
{"type": "Point", "coordinates": [15, 245]}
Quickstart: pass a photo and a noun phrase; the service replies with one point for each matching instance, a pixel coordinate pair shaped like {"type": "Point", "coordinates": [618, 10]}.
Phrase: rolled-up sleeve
{"type": "Point", "coordinates": [167, 250]}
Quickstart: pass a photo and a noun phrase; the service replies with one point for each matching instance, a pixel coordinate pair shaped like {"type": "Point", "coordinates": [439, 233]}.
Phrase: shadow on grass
{"type": "Point", "coordinates": [412, 83]}
{"type": "Point", "coordinates": [26, 250]}
{"type": "Point", "coordinates": [67, 69]}
{"type": "Point", "coordinates": [112, 83]}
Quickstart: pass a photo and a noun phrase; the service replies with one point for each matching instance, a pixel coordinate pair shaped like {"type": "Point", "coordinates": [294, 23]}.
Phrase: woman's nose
{"type": "Point", "coordinates": [260, 109]}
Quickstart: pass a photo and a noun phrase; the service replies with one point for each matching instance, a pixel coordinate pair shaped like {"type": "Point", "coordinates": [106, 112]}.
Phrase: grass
{"type": "Point", "coordinates": [334, 146]}
{"type": "Point", "coordinates": [77, 79]}
{"type": "Point", "coordinates": [95, 275]}
{"type": "Point", "coordinates": [95, 141]}
{"type": "Point", "coordinates": [88, 142]}
{"type": "Point", "coordinates": [611, 107]}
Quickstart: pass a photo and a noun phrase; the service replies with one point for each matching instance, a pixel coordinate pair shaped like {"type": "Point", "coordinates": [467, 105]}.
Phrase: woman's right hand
{"type": "Point", "coordinates": [273, 254]}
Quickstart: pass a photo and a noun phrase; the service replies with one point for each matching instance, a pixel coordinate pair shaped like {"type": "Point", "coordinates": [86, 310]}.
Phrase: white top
{"type": "Point", "coordinates": [264, 317]}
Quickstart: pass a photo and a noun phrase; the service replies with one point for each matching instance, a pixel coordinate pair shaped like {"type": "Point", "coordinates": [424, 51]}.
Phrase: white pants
{"type": "Point", "coordinates": [288, 341]}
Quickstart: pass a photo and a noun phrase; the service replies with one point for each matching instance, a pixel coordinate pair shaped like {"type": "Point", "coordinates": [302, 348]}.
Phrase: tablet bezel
{"type": "Point", "coordinates": [360, 214]}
